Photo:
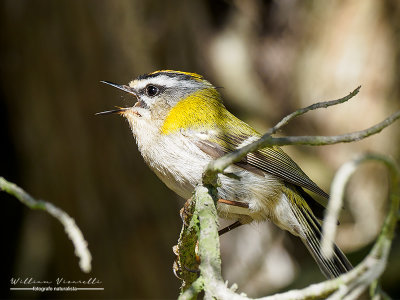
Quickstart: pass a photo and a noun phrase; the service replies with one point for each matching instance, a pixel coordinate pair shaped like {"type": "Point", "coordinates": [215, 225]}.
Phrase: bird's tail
{"type": "Point", "coordinates": [311, 237]}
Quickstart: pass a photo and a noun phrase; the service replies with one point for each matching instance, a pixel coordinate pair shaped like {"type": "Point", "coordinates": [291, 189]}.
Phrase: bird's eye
{"type": "Point", "coordinates": [152, 90]}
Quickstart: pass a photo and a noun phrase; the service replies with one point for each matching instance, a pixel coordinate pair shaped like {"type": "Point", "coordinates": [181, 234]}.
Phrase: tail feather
{"type": "Point", "coordinates": [332, 267]}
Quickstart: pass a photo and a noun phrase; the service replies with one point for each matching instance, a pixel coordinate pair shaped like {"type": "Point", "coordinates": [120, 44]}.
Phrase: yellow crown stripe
{"type": "Point", "coordinates": [194, 75]}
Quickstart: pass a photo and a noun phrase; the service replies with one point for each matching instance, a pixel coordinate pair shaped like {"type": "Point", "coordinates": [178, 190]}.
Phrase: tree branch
{"type": "Point", "coordinates": [72, 230]}
{"type": "Point", "coordinates": [349, 285]}
{"type": "Point", "coordinates": [338, 186]}
{"type": "Point", "coordinates": [301, 111]}
{"type": "Point", "coordinates": [219, 165]}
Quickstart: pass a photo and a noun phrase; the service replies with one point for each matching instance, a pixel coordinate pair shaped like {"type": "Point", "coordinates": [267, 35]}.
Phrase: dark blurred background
{"type": "Point", "coordinates": [271, 57]}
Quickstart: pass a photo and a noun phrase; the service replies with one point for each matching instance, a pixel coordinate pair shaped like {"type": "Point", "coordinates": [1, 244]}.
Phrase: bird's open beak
{"type": "Point", "coordinates": [119, 110]}
{"type": "Point", "coordinates": [113, 111]}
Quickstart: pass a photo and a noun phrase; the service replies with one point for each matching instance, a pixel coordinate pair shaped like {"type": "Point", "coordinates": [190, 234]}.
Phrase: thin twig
{"type": "Point", "coordinates": [336, 197]}
{"type": "Point", "coordinates": [72, 230]}
{"type": "Point", "coordinates": [334, 205]}
{"type": "Point", "coordinates": [220, 164]}
{"type": "Point", "coordinates": [314, 106]}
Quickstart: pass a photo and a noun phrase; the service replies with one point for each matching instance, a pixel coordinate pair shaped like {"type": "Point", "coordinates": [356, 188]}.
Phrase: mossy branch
{"type": "Point", "coordinates": [72, 230]}
{"type": "Point", "coordinates": [349, 285]}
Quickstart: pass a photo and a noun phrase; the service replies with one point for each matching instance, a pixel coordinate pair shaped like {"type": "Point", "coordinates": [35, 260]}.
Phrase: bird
{"type": "Point", "coordinates": [181, 124]}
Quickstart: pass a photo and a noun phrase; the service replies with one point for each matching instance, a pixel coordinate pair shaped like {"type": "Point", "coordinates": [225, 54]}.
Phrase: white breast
{"type": "Point", "coordinates": [176, 160]}
{"type": "Point", "coordinates": [179, 163]}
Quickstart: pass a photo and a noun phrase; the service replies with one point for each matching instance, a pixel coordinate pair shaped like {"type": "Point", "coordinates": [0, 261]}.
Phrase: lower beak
{"type": "Point", "coordinates": [114, 111]}
{"type": "Point", "coordinates": [120, 110]}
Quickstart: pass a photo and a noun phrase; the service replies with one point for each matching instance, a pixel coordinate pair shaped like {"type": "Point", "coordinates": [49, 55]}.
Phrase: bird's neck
{"type": "Point", "coordinates": [202, 109]}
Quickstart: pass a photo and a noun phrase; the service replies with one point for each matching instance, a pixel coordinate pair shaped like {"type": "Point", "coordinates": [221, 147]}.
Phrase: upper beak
{"type": "Point", "coordinates": [125, 88]}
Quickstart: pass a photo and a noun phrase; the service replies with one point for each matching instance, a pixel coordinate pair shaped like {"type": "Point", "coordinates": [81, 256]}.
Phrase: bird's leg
{"type": "Point", "coordinates": [229, 228]}
{"type": "Point", "coordinates": [235, 224]}
{"type": "Point", "coordinates": [233, 203]}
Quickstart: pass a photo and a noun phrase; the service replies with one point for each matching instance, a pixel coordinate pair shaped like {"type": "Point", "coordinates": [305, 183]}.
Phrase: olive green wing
{"type": "Point", "coordinates": [272, 160]}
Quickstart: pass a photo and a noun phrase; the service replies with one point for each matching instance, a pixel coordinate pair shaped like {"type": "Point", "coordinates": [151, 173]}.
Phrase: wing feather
{"type": "Point", "coordinates": [276, 162]}
{"type": "Point", "coordinates": [272, 160]}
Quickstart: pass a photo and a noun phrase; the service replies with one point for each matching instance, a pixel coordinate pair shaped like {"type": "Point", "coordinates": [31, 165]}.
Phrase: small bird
{"type": "Point", "coordinates": [180, 125]}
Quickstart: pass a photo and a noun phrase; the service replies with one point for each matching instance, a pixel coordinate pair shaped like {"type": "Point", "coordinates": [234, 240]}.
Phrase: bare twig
{"type": "Point", "coordinates": [334, 205]}
{"type": "Point", "coordinates": [219, 165]}
{"type": "Point", "coordinates": [314, 106]}
{"type": "Point", "coordinates": [349, 285]}
{"type": "Point", "coordinates": [72, 230]}
{"type": "Point", "coordinates": [336, 196]}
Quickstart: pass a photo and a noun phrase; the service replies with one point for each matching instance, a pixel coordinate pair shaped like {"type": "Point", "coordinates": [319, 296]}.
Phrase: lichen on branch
{"type": "Point", "coordinates": [70, 227]}
{"type": "Point", "coordinates": [349, 285]}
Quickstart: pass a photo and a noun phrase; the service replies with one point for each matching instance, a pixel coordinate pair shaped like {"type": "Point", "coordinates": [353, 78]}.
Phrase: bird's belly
{"type": "Point", "coordinates": [260, 193]}
{"type": "Point", "coordinates": [265, 197]}
{"type": "Point", "coordinates": [182, 186]}
{"type": "Point", "coordinates": [180, 165]}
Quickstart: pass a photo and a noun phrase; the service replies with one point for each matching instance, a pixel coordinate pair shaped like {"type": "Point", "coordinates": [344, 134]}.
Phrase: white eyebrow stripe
{"type": "Point", "coordinates": [163, 80]}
